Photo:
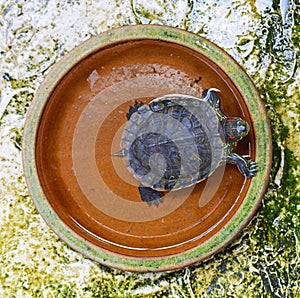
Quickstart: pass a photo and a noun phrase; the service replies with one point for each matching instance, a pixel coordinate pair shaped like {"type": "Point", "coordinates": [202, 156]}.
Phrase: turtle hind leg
{"type": "Point", "coordinates": [247, 167]}
{"type": "Point", "coordinates": [150, 196]}
{"type": "Point", "coordinates": [133, 109]}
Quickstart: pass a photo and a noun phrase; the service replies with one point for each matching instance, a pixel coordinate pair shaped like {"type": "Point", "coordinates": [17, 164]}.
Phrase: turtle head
{"type": "Point", "coordinates": [235, 129]}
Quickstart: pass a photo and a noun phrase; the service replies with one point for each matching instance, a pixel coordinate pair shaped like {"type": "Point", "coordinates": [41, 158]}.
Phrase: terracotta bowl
{"type": "Point", "coordinates": [75, 123]}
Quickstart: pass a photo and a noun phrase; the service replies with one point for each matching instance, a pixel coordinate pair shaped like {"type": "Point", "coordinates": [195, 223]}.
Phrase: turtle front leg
{"type": "Point", "coordinates": [150, 196]}
{"type": "Point", "coordinates": [210, 95]}
{"type": "Point", "coordinates": [247, 167]}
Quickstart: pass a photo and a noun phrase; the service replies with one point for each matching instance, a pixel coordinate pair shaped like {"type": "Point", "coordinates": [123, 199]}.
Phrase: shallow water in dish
{"type": "Point", "coordinates": [77, 136]}
{"type": "Point", "coordinates": [263, 36]}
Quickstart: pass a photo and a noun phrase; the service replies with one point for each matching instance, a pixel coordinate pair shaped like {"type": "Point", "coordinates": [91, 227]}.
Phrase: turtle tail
{"type": "Point", "coordinates": [120, 153]}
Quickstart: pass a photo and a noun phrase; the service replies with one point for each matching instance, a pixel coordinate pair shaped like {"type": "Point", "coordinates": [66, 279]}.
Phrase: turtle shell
{"type": "Point", "coordinates": [175, 147]}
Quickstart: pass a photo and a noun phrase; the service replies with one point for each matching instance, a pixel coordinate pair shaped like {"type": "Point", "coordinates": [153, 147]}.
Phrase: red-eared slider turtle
{"type": "Point", "coordinates": [179, 140]}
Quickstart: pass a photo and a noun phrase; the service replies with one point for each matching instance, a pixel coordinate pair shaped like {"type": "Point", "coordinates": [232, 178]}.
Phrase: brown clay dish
{"type": "Point", "coordinates": [75, 124]}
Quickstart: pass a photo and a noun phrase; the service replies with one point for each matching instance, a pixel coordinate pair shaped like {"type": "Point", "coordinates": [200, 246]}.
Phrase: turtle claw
{"type": "Point", "coordinates": [252, 166]}
{"type": "Point", "coordinates": [133, 109]}
{"type": "Point", "coordinates": [247, 167]}
{"type": "Point", "coordinates": [150, 196]}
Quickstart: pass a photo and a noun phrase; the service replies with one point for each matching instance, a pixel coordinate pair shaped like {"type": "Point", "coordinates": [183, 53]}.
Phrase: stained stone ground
{"type": "Point", "coordinates": [263, 36]}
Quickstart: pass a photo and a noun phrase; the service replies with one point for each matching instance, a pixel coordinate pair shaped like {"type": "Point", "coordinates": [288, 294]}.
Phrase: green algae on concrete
{"type": "Point", "coordinates": [263, 261]}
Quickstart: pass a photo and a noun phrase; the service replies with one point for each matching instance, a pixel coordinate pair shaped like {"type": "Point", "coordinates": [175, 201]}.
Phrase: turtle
{"type": "Point", "coordinates": [178, 140]}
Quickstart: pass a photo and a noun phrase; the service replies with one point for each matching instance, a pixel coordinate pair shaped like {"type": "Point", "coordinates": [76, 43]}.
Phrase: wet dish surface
{"type": "Point", "coordinates": [94, 198]}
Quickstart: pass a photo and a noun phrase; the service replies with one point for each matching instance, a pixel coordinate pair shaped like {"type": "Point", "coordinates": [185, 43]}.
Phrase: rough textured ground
{"type": "Point", "coordinates": [261, 35]}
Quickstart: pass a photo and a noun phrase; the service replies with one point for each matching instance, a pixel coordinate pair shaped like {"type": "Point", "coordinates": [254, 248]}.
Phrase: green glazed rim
{"type": "Point", "coordinates": [256, 110]}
